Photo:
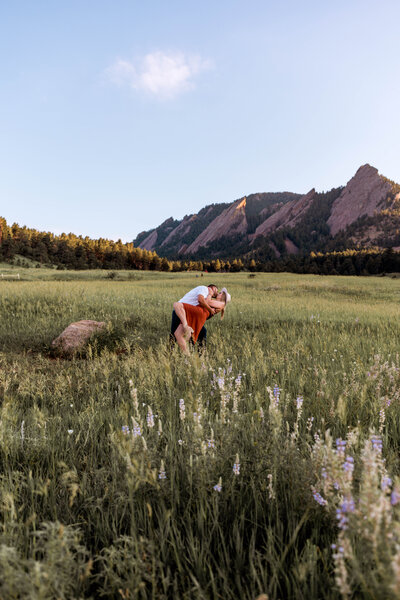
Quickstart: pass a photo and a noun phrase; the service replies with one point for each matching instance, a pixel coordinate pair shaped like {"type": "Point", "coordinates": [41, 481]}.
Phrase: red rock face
{"type": "Point", "coordinates": [287, 216]}
{"type": "Point", "coordinates": [363, 195]}
{"type": "Point", "coordinates": [150, 241]}
{"type": "Point", "coordinates": [291, 247]}
{"type": "Point", "coordinates": [231, 221]}
{"type": "Point", "coordinates": [180, 231]}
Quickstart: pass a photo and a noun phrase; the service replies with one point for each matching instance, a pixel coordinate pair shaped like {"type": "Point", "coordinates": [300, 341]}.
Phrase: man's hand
{"type": "Point", "coordinates": [203, 302]}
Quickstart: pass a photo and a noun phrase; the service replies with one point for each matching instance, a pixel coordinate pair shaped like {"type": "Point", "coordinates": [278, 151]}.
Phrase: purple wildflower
{"type": "Point", "coordinates": [377, 444]}
{"type": "Point", "coordinates": [318, 498]}
{"type": "Point", "coordinates": [136, 431]}
{"type": "Point", "coordinates": [236, 466]}
{"type": "Point", "coordinates": [348, 465]}
{"type": "Point", "coordinates": [150, 418]}
{"type": "Point", "coordinates": [161, 473]}
{"type": "Point", "coordinates": [386, 483]}
{"type": "Point", "coordinates": [344, 509]}
{"type": "Point", "coordinates": [394, 497]}
{"type": "Point", "coordinates": [218, 486]}
{"type": "Point", "coordinates": [340, 445]}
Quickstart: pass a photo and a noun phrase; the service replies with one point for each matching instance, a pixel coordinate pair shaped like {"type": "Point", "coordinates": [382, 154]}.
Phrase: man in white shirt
{"type": "Point", "coordinates": [196, 297]}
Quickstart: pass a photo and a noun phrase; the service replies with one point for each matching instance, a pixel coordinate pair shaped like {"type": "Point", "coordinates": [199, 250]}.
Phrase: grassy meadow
{"type": "Point", "coordinates": [267, 466]}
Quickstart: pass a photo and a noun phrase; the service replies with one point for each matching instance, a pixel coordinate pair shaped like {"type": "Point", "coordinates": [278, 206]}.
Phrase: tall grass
{"type": "Point", "coordinates": [134, 472]}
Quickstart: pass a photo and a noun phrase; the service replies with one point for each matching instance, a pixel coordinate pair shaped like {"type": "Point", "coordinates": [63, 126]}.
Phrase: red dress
{"type": "Point", "coordinates": [196, 316]}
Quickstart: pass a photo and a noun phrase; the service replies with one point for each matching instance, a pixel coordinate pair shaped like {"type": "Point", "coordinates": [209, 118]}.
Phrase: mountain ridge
{"type": "Point", "coordinates": [364, 212]}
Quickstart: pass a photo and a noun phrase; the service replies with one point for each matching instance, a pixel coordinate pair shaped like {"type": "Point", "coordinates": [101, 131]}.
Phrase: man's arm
{"type": "Point", "coordinates": [203, 302]}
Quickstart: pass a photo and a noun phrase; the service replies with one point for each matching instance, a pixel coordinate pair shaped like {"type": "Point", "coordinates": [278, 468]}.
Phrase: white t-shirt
{"type": "Point", "coordinates": [192, 296]}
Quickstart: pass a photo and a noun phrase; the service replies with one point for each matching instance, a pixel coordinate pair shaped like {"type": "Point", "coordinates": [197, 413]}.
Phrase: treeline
{"type": "Point", "coordinates": [68, 251]}
{"type": "Point", "coordinates": [348, 262]}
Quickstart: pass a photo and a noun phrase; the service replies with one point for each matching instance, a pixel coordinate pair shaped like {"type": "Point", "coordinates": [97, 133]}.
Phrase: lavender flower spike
{"type": "Point", "coordinates": [318, 498]}
{"type": "Point", "coordinates": [377, 444]}
{"type": "Point", "coordinates": [218, 486]}
{"type": "Point", "coordinates": [236, 466]}
{"type": "Point", "coordinates": [394, 497]}
{"type": "Point", "coordinates": [340, 445]}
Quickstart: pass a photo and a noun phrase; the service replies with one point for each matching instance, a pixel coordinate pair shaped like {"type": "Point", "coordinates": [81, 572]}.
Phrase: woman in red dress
{"type": "Point", "coordinates": [196, 316]}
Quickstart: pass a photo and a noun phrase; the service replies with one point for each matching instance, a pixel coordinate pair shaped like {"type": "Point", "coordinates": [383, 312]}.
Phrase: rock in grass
{"type": "Point", "coordinates": [76, 335]}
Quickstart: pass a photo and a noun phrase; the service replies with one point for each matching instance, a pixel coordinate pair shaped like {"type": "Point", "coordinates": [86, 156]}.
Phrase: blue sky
{"type": "Point", "coordinates": [116, 115]}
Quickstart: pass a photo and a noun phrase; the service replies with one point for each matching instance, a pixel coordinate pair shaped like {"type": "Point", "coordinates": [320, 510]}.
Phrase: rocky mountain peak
{"type": "Point", "coordinates": [363, 195]}
{"type": "Point", "coordinates": [364, 171]}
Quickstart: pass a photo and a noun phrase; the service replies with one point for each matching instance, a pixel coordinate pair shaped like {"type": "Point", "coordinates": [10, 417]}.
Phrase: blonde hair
{"type": "Point", "coordinates": [223, 310]}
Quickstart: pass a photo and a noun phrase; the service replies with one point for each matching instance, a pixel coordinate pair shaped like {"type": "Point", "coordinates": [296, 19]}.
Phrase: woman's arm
{"type": "Point", "coordinates": [218, 306]}
{"type": "Point", "coordinates": [216, 303]}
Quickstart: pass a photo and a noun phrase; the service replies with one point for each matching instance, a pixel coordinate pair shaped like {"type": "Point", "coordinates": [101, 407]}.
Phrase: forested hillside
{"type": "Point", "coordinates": [72, 251]}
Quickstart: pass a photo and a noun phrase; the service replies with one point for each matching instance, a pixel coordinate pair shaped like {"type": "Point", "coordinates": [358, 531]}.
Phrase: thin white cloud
{"type": "Point", "coordinates": [161, 74]}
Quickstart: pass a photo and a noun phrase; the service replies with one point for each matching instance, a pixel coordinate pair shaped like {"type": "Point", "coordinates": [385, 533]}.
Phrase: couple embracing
{"type": "Point", "coordinates": [192, 311]}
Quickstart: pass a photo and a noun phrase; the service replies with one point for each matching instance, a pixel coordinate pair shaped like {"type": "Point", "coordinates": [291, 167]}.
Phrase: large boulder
{"type": "Point", "coordinates": [76, 335]}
